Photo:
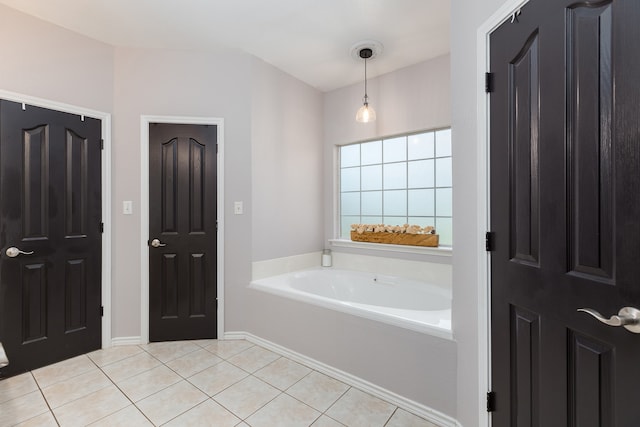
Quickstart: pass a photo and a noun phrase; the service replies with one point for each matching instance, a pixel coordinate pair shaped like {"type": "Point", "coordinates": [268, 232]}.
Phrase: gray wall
{"type": "Point", "coordinates": [177, 83]}
{"type": "Point", "coordinates": [467, 16]}
{"type": "Point", "coordinates": [412, 99]}
{"type": "Point", "coordinates": [286, 155]}
{"type": "Point", "coordinates": [46, 61]}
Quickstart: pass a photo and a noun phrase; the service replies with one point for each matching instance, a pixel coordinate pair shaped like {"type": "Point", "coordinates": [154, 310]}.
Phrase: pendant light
{"type": "Point", "coordinates": [365, 113]}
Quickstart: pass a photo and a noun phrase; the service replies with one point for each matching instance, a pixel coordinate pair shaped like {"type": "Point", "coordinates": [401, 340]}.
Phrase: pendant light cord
{"type": "Point", "coordinates": [366, 97]}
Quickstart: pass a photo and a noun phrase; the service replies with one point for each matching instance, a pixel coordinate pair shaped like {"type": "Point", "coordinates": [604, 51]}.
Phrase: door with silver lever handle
{"type": "Point", "coordinates": [157, 243]}
{"type": "Point", "coordinates": [628, 317]}
{"type": "Point", "coordinates": [13, 252]}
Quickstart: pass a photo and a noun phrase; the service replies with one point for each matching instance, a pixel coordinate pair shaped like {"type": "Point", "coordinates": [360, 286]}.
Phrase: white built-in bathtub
{"type": "Point", "coordinates": [418, 306]}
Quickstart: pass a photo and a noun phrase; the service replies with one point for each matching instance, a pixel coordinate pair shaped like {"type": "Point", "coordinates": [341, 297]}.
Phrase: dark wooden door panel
{"type": "Point", "coordinates": [565, 156]}
{"type": "Point", "coordinates": [51, 204]}
{"type": "Point", "coordinates": [182, 205]}
{"type": "Point", "coordinates": [524, 78]}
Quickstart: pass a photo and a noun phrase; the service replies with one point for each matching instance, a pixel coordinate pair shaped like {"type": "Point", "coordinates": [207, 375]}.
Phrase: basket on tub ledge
{"type": "Point", "coordinates": [412, 235]}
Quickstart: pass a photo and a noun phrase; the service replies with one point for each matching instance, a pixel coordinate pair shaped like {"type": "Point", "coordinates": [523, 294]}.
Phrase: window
{"type": "Point", "coordinates": [396, 181]}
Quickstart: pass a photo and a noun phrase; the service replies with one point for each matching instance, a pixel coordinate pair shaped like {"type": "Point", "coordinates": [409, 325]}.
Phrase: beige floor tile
{"type": "Point", "coordinates": [114, 354]}
{"type": "Point", "coordinates": [246, 397]}
{"type": "Point", "coordinates": [130, 367]}
{"type": "Point", "coordinates": [45, 420]}
{"type": "Point", "coordinates": [208, 413]}
{"type": "Point", "coordinates": [92, 407]}
{"type": "Point", "coordinates": [253, 358]}
{"type": "Point", "coordinates": [228, 348]}
{"type": "Point", "coordinates": [169, 350]}
{"type": "Point", "coordinates": [218, 377]}
{"type": "Point", "coordinates": [63, 370]}
{"type": "Point", "coordinates": [171, 402]}
{"type": "Point", "coordinates": [76, 387]}
{"type": "Point", "coordinates": [22, 408]}
{"type": "Point", "coordinates": [203, 343]}
{"type": "Point", "coordinates": [129, 417]}
{"type": "Point", "coordinates": [148, 382]}
{"type": "Point", "coordinates": [282, 373]}
{"type": "Point", "coordinates": [402, 418]}
{"type": "Point", "coordinates": [325, 421]}
{"type": "Point", "coordinates": [318, 390]}
{"type": "Point", "coordinates": [284, 411]}
{"type": "Point", "coordinates": [357, 408]}
{"type": "Point", "coordinates": [17, 386]}
{"type": "Point", "coordinates": [192, 363]}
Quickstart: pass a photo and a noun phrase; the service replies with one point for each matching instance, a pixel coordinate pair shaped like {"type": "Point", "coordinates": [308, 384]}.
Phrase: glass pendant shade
{"type": "Point", "coordinates": [366, 114]}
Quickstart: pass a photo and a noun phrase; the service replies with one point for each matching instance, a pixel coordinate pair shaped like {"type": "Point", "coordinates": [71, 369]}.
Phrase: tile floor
{"type": "Point", "coordinates": [190, 383]}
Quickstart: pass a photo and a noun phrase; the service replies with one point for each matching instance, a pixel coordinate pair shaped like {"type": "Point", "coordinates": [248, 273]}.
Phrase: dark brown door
{"type": "Point", "coordinates": [50, 208]}
{"type": "Point", "coordinates": [182, 220]}
{"type": "Point", "coordinates": [565, 176]}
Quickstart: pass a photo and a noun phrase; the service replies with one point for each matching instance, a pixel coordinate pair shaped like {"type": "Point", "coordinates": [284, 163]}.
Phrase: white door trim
{"type": "Point", "coordinates": [484, 271]}
{"type": "Point", "coordinates": [106, 192]}
{"type": "Point", "coordinates": [145, 120]}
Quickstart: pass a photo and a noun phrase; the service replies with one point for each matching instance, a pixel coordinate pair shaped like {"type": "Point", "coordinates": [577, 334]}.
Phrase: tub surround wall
{"type": "Point", "coordinates": [414, 365]}
{"type": "Point", "coordinates": [277, 266]}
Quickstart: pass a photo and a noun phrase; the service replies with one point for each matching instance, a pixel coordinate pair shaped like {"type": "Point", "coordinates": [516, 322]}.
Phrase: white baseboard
{"type": "Point", "coordinates": [409, 405]}
{"type": "Point", "coordinates": [125, 341]}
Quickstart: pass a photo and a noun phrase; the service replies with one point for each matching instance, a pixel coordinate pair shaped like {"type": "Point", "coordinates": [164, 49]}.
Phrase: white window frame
{"type": "Point", "coordinates": [339, 242]}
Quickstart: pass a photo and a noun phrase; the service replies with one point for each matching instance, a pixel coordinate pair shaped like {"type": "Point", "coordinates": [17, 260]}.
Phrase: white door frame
{"type": "Point", "coordinates": [145, 120]}
{"type": "Point", "coordinates": [106, 192]}
{"type": "Point", "coordinates": [505, 12]}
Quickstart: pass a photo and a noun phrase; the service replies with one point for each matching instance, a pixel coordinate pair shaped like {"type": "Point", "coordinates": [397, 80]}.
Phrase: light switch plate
{"type": "Point", "coordinates": [238, 208]}
{"type": "Point", "coordinates": [127, 207]}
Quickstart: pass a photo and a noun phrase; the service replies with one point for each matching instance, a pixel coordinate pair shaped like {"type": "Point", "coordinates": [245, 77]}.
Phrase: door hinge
{"type": "Point", "coordinates": [491, 401]}
{"type": "Point", "coordinates": [102, 144]}
{"type": "Point", "coordinates": [488, 82]}
{"type": "Point", "coordinates": [489, 241]}
{"type": "Point", "coordinates": [102, 227]}
{"type": "Point", "coordinates": [101, 311]}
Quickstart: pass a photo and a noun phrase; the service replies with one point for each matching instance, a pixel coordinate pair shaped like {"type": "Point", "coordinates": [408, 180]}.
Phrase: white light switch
{"type": "Point", "coordinates": [127, 207]}
{"type": "Point", "coordinates": [238, 208]}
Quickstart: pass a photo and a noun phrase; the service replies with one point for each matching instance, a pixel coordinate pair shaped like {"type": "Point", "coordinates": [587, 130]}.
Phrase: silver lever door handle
{"type": "Point", "coordinates": [628, 317]}
{"type": "Point", "coordinates": [13, 252]}
{"type": "Point", "coordinates": [157, 243]}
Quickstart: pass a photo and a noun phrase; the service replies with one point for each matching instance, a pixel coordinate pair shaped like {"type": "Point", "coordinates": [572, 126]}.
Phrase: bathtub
{"type": "Point", "coordinates": [405, 303]}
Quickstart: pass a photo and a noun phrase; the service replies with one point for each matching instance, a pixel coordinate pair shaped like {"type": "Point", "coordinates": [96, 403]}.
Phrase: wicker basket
{"type": "Point", "coordinates": [396, 238]}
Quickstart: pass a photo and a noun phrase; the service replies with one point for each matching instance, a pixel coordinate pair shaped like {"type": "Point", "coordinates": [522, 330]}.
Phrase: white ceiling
{"type": "Point", "coordinates": [309, 39]}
